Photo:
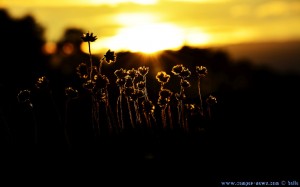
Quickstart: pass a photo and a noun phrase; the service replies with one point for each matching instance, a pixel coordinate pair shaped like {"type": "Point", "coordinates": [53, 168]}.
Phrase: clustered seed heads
{"type": "Point", "coordinates": [134, 107]}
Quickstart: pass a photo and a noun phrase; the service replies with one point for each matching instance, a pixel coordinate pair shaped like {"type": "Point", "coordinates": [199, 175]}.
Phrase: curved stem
{"type": "Point", "coordinates": [180, 109]}
{"type": "Point", "coordinates": [170, 116]}
{"type": "Point", "coordinates": [118, 112]}
{"type": "Point", "coordinates": [95, 116]}
{"type": "Point", "coordinates": [163, 117]}
{"type": "Point", "coordinates": [137, 112]}
{"type": "Point", "coordinates": [110, 114]}
{"type": "Point", "coordinates": [147, 118]}
{"type": "Point", "coordinates": [121, 109]}
{"type": "Point", "coordinates": [100, 65]}
{"type": "Point", "coordinates": [182, 114]}
{"type": "Point", "coordinates": [154, 119]}
{"type": "Point", "coordinates": [130, 114]}
{"type": "Point", "coordinates": [145, 89]}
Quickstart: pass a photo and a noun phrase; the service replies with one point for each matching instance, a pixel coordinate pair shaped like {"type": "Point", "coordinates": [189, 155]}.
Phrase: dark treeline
{"type": "Point", "coordinates": [256, 110]}
{"type": "Point", "coordinates": [21, 62]}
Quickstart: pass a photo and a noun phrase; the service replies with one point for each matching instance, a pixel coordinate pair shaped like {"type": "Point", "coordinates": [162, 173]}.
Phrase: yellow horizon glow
{"type": "Point", "coordinates": [149, 38]}
{"type": "Point", "coordinates": [152, 25]}
{"type": "Point", "coordinates": [197, 37]}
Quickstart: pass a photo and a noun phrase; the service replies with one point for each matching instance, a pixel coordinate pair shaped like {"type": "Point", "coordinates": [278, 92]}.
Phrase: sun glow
{"type": "Point", "coordinates": [147, 38]}
{"type": "Point", "coordinates": [151, 38]}
{"type": "Point", "coordinates": [197, 37]}
{"type": "Point", "coordinates": [144, 32]}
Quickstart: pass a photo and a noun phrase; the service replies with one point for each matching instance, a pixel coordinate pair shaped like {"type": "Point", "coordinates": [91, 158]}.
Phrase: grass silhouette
{"type": "Point", "coordinates": [129, 112]}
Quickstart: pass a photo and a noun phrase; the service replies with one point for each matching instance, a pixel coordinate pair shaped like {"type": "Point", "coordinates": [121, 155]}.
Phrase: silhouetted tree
{"type": "Point", "coordinates": [22, 61]}
{"type": "Point", "coordinates": [21, 51]}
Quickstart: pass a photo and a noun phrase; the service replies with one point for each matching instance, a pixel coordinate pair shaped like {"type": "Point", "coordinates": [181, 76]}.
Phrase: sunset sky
{"type": "Point", "coordinates": [151, 25]}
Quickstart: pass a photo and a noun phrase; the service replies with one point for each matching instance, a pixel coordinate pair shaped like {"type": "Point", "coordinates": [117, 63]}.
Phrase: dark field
{"type": "Point", "coordinates": [252, 127]}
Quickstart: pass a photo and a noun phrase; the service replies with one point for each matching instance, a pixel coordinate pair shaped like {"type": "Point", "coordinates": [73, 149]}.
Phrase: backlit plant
{"type": "Point", "coordinates": [134, 108]}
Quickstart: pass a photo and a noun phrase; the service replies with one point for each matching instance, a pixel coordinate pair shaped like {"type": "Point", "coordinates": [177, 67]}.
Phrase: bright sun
{"type": "Point", "coordinates": [147, 38]}
{"type": "Point", "coordinates": [142, 32]}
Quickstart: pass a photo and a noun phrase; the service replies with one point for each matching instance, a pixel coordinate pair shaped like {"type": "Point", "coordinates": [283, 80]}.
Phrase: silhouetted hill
{"type": "Point", "coordinates": [281, 56]}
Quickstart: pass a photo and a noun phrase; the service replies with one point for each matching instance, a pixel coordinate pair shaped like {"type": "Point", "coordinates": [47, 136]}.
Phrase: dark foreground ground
{"type": "Point", "coordinates": [206, 157]}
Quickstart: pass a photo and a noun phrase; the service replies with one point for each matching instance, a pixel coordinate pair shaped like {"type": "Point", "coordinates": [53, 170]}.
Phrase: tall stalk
{"type": "Point", "coordinates": [91, 60]}
{"type": "Point", "coordinates": [130, 112]}
{"type": "Point", "coordinates": [200, 97]}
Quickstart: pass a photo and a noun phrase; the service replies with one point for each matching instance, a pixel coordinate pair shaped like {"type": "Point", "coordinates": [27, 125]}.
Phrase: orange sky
{"type": "Point", "coordinates": [151, 25]}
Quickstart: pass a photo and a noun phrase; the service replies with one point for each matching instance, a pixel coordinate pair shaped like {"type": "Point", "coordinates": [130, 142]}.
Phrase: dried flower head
{"type": "Point", "coordinates": [201, 71]}
{"type": "Point", "coordinates": [162, 102]}
{"type": "Point", "coordinates": [192, 108]}
{"type": "Point", "coordinates": [185, 83]}
{"type": "Point", "coordinates": [141, 85]}
{"type": "Point", "coordinates": [120, 82]}
{"type": "Point", "coordinates": [71, 93]}
{"type": "Point", "coordinates": [94, 73]}
{"type": "Point", "coordinates": [101, 82]}
{"type": "Point", "coordinates": [128, 91]}
{"type": "Point", "coordinates": [180, 97]}
{"type": "Point", "coordinates": [82, 71]}
{"type": "Point", "coordinates": [110, 56]}
{"type": "Point", "coordinates": [148, 107]}
{"type": "Point", "coordinates": [139, 93]}
{"type": "Point", "coordinates": [128, 82]}
{"type": "Point", "coordinates": [121, 73]}
{"type": "Point", "coordinates": [24, 97]}
{"type": "Point", "coordinates": [136, 94]}
{"type": "Point", "coordinates": [132, 73]}
{"type": "Point", "coordinates": [164, 97]}
{"type": "Point", "coordinates": [211, 100]}
{"type": "Point", "coordinates": [162, 77]}
{"type": "Point", "coordinates": [176, 70]}
{"type": "Point", "coordinates": [143, 71]}
{"type": "Point", "coordinates": [42, 83]}
{"type": "Point", "coordinates": [185, 73]}
{"type": "Point", "coordinates": [101, 96]}
{"type": "Point", "coordinates": [165, 93]}
{"type": "Point", "coordinates": [88, 37]}
{"type": "Point", "coordinates": [89, 85]}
